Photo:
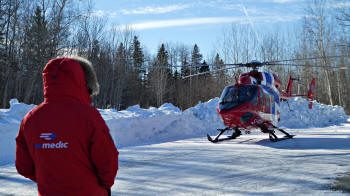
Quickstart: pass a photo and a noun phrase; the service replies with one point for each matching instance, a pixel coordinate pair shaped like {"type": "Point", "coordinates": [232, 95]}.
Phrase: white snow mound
{"type": "Point", "coordinates": [298, 115]}
{"type": "Point", "coordinates": [9, 125]}
{"type": "Point", "coordinates": [138, 126]}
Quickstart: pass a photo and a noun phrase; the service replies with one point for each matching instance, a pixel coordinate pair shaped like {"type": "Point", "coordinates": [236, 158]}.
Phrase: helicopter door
{"type": "Point", "coordinates": [268, 103]}
{"type": "Point", "coordinates": [264, 100]}
{"type": "Point", "coordinates": [261, 100]}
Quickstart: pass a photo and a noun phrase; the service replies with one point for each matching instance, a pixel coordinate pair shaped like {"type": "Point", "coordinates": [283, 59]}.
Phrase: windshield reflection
{"type": "Point", "coordinates": [233, 96]}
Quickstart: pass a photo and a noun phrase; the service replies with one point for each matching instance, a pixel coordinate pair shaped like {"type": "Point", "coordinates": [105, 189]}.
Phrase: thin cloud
{"type": "Point", "coordinates": [155, 10]}
{"type": "Point", "coordinates": [103, 13]}
{"type": "Point", "coordinates": [207, 20]}
{"type": "Point", "coordinates": [98, 13]}
{"type": "Point", "coordinates": [339, 5]}
{"type": "Point", "coordinates": [182, 22]}
{"type": "Point", "coordinates": [283, 1]}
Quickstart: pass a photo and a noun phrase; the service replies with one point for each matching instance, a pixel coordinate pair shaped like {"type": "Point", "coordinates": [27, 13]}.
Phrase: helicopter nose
{"type": "Point", "coordinates": [246, 117]}
{"type": "Point", "coordinates": [236, 118]}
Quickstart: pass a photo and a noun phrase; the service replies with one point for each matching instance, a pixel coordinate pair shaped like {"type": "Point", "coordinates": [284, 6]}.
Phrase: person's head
{"type": "Point", "coordinates": [70, 77]}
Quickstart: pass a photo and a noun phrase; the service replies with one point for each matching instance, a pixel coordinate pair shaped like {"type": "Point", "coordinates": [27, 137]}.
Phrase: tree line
{"type": "Point", "coordinates": [32, 32]}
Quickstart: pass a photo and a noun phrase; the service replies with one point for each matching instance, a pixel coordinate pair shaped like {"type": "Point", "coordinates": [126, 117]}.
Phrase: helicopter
{"type": "Point", "coordinates": [253, 102]}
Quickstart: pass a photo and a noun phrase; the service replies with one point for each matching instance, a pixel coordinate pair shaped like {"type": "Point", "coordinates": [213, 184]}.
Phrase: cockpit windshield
{"type": "Point", "coordinates": [235, 95]}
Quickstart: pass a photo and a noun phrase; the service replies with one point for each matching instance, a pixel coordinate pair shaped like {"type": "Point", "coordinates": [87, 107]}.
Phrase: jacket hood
{"type": "Point", "coordinates": [90, 75]}
{"type": "Point", "coordinates": [64, 78]}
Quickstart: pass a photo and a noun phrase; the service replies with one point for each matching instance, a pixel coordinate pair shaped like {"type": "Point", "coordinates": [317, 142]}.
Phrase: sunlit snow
{"type": "Point", "coordinates": [164, 151]}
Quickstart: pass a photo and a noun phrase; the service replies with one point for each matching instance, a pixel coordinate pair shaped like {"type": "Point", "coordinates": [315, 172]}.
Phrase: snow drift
{"type": "Point", "coordinates": [138, 126]}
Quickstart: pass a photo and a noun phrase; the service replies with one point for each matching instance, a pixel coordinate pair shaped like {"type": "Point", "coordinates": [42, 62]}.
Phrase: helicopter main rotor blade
{"type": "Point", "coordinates": [210, 65]}
{"type": "Point", "coordinates": [303, 59]}
{"type": "Point", "coordinates": [231, 65]}
{"type": "Point", "coordinates": [252, 64]}
{"type": "Point", "coordinates": [207, 72]}
{"type": "Point", "coordinates": [299, 65]}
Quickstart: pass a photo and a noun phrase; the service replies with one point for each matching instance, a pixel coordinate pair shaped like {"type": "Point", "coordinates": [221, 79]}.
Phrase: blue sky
{"type": "Point", "coordinates": [200, 21]}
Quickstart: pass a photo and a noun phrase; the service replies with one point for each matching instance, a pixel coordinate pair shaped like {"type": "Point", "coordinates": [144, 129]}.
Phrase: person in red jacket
{"type": "Point", "coordinates": [64, 144]}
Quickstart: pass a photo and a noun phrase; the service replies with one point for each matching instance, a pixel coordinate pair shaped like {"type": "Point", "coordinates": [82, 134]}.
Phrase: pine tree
{"type": "Point", "coordinates": [220, 75]}
{"type": "Point", "coordinates": [95, 50]}
{"type": "Point", "coordinates": [136, 75]}
{"type": "Point", "coordinates": [204, 67]}
{"type": "Point", "coordinates": [2, 40]}
{"type": "Point", "coordinates": [3, 65]}
{"type": "Point", "coordinates": [195, 82]}
{"type": "Point", "coordinates": [218, 60]}
{"type": "Point", "coordinates": [160, 75]}
{"type": "Point", "coordinates": [138, 57]}
{"type": "Point", "coordinates": [185, 70]}
{"type": "Point", "coordinates": [219, 64]}
{"type": "Point", "coordinates": [120, 77]}
{"type": "Point", "coordinates": [196, 58]}
{"type": "Point", "coordinates": [36, 53]}
{"type": "Point", "coordinates": [39, 34]}
{"type": "Point", "coordinates": [94, 55]}
{"type": "Point", "coordinates": [176, 81]}
{"type": "Point", "coordinates": [196, 55]}
{"type": "Point", "coordinates": [162, 57]}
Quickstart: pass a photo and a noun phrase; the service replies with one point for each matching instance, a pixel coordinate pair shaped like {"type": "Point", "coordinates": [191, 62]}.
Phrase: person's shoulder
{"type": "Point", "coordinates": [83, 107]}
{"type": "Point", "coordinates": [94, 113]}
{"type": "Point", "coordinates": [96, 120]}
{"type": "Point", "coordinates": [32, 113]}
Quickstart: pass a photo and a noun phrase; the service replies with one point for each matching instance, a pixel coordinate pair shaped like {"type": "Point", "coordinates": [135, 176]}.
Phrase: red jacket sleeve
{"type": "Point", "coordinates": [24, 161]}
{"type": "Point", "coordinates": [104, 154]}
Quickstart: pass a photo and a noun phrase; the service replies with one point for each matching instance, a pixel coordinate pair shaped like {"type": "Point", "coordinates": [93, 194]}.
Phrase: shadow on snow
{"type": "Point", "coordinates": [308, 143]}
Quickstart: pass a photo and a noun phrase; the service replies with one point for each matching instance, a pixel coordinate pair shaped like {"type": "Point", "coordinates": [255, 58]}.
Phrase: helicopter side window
{"type": "Point", "coordinates": [254, 101]}
{"type": "Point", "coordinates": [264, 101]}
{"type": "Point", "coordinates": [267, 103]}
{"type": "Point", "coordinates": [228, 94]}
{"type": "Point", "coordinates": [235, 95]}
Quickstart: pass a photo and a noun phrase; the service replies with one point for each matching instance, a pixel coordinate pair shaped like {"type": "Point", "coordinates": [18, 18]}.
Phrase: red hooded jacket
{"type": "Point", "coordinates": [64, 144]}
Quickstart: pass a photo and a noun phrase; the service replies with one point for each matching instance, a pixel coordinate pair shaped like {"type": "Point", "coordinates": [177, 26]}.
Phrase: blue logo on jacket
{"type": "Point", "coordinates": [48, 136]}
{"type": "Point", "coordinates": [53, 145]}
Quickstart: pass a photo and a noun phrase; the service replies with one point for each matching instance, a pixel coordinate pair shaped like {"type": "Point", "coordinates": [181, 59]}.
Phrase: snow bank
{"type": "Point", "coordinates": [138, 126]}
{"type": "Point", "coordinates": [298, 115]}
{"type": "Point", "coordinates": [9, 125]}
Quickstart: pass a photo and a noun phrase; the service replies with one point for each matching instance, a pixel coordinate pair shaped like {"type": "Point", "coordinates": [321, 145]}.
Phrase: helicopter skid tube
{"type": "Point", "coordinates": [273, 137]}
{"type": "Point", "coordinates": [234, 135]}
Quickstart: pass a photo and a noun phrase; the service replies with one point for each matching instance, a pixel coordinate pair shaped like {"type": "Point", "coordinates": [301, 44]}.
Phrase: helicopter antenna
{"type": "Point", "coordinates": [252, 25]}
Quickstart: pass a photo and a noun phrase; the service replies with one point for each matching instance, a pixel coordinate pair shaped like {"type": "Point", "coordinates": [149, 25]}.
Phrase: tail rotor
{"type": "Point", "coordinates": [311, 91]}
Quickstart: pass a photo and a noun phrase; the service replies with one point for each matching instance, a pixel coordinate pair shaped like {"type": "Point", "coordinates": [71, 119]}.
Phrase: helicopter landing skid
{"type": "Point", "coordinates": [234, 135]}
{"type": "Point", "coordinates": [273, 137]}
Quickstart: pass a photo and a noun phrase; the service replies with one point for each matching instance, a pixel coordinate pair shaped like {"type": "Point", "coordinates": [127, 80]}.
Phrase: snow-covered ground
{"type": "Point", "coordinates": [164, 151]}
{"type": "Point", "coordinates": [250, 165]}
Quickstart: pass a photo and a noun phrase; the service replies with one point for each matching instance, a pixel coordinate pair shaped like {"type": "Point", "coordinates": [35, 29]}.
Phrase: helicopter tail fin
{"type": "Point", "coordinates": [310, 93]}
{"type": "Point", "coordinates": [289, 87]}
